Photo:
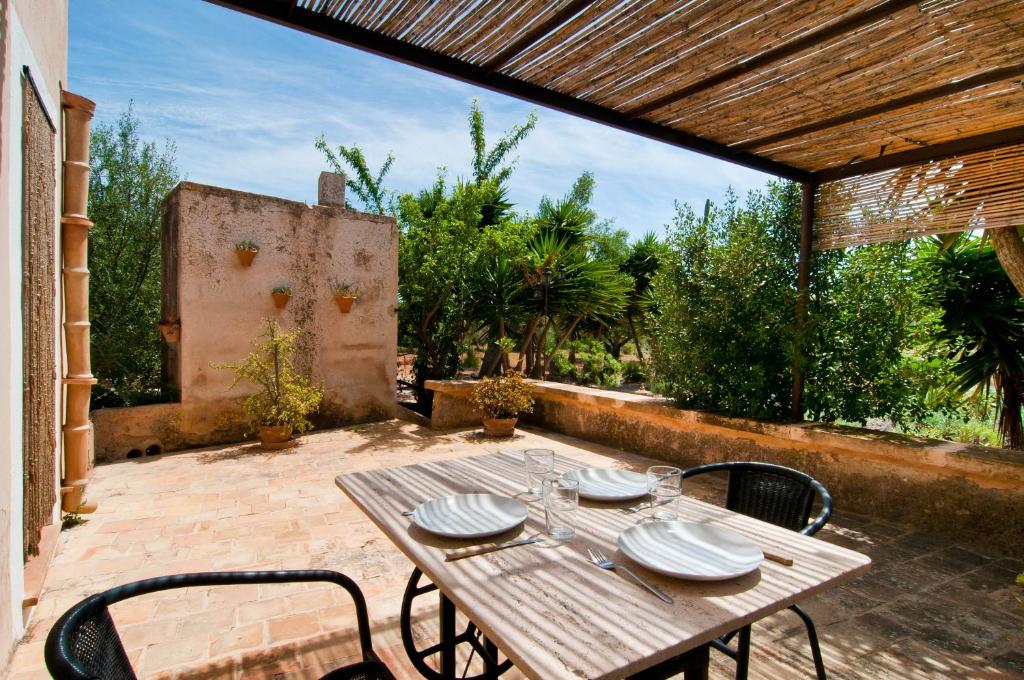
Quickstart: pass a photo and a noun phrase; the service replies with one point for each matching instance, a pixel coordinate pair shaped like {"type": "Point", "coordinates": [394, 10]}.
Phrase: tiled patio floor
{"type": "Point", "coordinates": [928, 608]}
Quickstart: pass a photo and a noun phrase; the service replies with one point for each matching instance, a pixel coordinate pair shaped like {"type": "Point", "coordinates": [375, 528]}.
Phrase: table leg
{"type": "Point", "coordinates": [692, 664]}
{"type": "Point", "coordinates": [698, 664]}
{"type": "Point", "coordinates": [490, 659]}
{"type": "Point", "coordinates": [743, 653]}
{"type": "Point", "coordinates": [448, 642]}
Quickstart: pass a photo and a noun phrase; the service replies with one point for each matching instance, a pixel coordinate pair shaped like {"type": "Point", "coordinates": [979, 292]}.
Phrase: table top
{"type": "Point", "coordinates": [554, 613]}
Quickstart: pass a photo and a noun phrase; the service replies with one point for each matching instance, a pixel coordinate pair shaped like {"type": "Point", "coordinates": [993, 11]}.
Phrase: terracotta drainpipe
{"type": "Point", "coordinates": [75, 226]}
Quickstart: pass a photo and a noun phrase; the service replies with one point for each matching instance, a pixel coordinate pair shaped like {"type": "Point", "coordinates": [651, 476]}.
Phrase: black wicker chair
{"type": "Point", "coordinates": [784, 497]}
{"type": "Point", "coordinates": [84, 644]}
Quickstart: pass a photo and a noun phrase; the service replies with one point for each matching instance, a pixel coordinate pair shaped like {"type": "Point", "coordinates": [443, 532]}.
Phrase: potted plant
{"type": "Point", "coordinates": [246, 252]}
{"type": "Point", "coordinates": [344, 295]}
{"type": "Point", "coordinates": [285, 400]}
{"type": "Point", "coordinates": [281, 295]}
{"type": "Point", "coordinates": [501, 399]}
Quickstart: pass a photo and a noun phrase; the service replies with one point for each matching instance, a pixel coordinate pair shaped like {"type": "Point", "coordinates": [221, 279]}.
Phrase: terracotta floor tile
{"type": "Point", "coordinates": [285, 628]}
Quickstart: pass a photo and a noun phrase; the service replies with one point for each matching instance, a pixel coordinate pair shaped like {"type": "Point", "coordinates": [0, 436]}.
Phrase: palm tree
{"type": "Point", "coordinates": [982, 324]}
{"type": "Point", "coordinates": [499, 298]}
{"type": "Point", "coordinates": [641, 265]}
{"type": "Point", "coordinates": [569, 286]}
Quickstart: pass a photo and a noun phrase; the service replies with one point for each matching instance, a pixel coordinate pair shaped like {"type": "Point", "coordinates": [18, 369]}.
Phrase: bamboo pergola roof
{"type": "Point", "coordinates": [816, 91]}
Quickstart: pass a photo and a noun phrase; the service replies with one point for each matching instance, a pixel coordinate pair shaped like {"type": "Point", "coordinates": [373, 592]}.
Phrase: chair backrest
{"type": "Point", "coordinates": [86, 645]}
{"type": "Point", "coordinates": [772, 493]}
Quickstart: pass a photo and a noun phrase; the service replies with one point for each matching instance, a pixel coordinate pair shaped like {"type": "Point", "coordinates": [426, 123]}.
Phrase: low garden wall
{"type": "Point", "coordinates": [130, 432]}
{"type": "Point", "coordinates": [969, 491]}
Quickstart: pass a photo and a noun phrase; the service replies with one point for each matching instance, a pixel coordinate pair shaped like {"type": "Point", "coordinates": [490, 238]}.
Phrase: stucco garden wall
{"type": "Point", "coordinates": [963, 490]}
{"type": "Point", "coordinates": [220, 306]}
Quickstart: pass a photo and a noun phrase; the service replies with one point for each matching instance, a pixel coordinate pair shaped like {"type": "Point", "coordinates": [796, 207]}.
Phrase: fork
{"type": "Point", "coordinates": [598, 558]}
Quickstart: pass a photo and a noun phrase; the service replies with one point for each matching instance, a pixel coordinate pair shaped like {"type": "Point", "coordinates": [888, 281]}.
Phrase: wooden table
{"type": "Point", "coordinates": [554, 613]}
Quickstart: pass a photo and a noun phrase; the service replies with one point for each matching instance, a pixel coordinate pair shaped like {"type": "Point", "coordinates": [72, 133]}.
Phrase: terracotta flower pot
{"type": "Point", "coordinates": [344, 302]}
{"type": "Point", "coordinates": [245, 257]}
{"type": "Point", "coordinates": [499, 427]}
{"type": "Point", "coordinates": [281, 299]}
{"type": "Point", "coordinates": [275, 437]}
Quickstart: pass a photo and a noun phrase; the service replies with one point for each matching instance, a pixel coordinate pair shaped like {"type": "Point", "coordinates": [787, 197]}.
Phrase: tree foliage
{"type": "Point", "coordinates": [487, 163]}
{"type": "Point", "coordinates": [982, 326]}
{"type": "Point", "coordinates": [363, 182]}
{"type": "Point", "coordinates": [708, 309]}
{"type": "Point", "coordinates": [128, 181]}
{"type": "Point", "coordinates": [726, 300]}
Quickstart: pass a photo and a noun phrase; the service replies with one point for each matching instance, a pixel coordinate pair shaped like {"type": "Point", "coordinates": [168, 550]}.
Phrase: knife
{"type": "Point", "coordinates": [461, 553]}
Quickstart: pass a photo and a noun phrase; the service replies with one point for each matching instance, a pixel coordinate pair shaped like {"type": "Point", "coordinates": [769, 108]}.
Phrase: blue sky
{"type": "Point", "coordinates": [244, 99]}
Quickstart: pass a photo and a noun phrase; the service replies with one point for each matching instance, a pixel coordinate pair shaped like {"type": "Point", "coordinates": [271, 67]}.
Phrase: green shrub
{"type": "Point", "coordinates": [561, 367]}
{"type": "Point", "coordinates": [725, 298]}
{"type": "Point", "coordinates": [286, 397]}
{"type": "Point", "coordinates": [598, 367]}
{"type": "Point", "coordinates": [503, 396]}
{"type": "Point", "coordinates": [725, 333]}
{"type": "Point", "coordinates": [634, 372]}
{"type": "Point", "coordinates": [956, 428]}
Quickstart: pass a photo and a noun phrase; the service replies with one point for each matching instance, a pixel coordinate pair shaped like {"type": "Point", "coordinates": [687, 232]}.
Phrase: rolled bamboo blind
{"type": "Point", "coordinates": [640, 58]}
{"type": "Point", "coordinates": [981, 190]}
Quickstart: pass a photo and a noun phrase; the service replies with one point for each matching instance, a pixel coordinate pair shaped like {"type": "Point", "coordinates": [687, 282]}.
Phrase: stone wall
{"type": "Point", "coordinates": [219, 306]}
{"type": "Point", "coordinates": [959, 489]}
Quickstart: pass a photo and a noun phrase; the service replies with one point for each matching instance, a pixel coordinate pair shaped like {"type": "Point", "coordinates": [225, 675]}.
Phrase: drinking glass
{"type": "Point", "coordinates": [665, 484]}
{"type": "Point", "coordinates": [561, 498]}
{"type": "Point", "coordinates": [539, 463]}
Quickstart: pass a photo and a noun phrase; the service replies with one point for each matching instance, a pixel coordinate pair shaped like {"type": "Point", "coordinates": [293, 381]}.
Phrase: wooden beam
{"type": "Point", "coordinates": [924, 96]}
{"type": "Point", "coordinates": [803, 283]}
{"type": "Point", "coordinates": [386, 46]}
{"type": "Point", "coordinates": [539, 32]}
{"type": "Point", "coordinates": [757, 62]}
{"type": "Point", "coordinates": [932, 152]}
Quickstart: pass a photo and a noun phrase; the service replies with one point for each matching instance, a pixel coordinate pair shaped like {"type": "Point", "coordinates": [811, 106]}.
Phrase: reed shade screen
{"type": "Point", "coordinates": [651, 61]}
{"type": "Point", "coordinates": [976, 191]}
{"type": "Point", "coordinates": [39, 329]}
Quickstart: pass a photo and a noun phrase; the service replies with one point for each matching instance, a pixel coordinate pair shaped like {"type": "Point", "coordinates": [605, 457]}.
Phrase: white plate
{"type": "Point", "coordinates": [603, 484]}
{"type": "Point", "coordinates": [470, 515]}
{"type": "Point", "coordinates": [701, 552]}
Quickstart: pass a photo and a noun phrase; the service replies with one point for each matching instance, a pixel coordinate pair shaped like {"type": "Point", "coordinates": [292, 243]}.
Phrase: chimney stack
{"type": "Point", "coordinates": [331, 189]}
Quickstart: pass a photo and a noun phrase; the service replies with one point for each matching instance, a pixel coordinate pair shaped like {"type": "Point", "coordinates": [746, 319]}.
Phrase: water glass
{"type": "Point", "coordinates": [539, 463]}
{"type": "Point", "coordinates": [561, 498]}
{"type": "Point", "coordinates": [665, 484]}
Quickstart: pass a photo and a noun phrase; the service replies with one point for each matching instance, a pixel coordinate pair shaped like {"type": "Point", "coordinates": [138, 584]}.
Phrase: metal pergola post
{"type": "Point", "coordinates": [803, 282]}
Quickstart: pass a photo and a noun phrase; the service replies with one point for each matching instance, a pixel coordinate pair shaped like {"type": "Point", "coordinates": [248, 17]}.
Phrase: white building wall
{"type": "Point", "coordinates": [33, 34]}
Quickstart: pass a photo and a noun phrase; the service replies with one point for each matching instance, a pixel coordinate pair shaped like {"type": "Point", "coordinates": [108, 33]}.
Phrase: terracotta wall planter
{"type": "Point", "coordinates": [245, 257]}
{"type": "Point", "coordinates": [281, 299]}
{"type": "Point", "coordinates": [344, 302]}
{"type": "Point", "coordinates": [499, 427]}
{"type": "Point", "coordinates": [171, 330]}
